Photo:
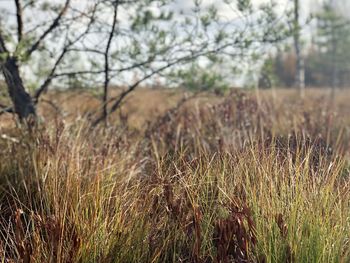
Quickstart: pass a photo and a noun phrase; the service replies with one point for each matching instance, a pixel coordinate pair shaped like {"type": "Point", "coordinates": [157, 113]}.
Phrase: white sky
{"type": "Point", "coordinates": [179, 3]}
{"type": "Point", "coordinates": [306, 5]}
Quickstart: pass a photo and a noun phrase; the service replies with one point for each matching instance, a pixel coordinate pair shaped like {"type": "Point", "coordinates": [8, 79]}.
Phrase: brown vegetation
{"type": "Point", "coordinates": [238, 178]}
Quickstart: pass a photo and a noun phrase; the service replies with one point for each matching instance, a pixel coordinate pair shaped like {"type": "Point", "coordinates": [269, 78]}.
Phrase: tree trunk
{"type": "Point", "coordinates": [22, 101]}
{"type": "Point", "coordinates": [335, 79]}
{"type": "Point", "coordinates": [300, 69]}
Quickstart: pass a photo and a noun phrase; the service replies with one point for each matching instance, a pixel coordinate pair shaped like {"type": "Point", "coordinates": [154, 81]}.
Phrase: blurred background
{"type": "Point", "coordinates": [107, 50]}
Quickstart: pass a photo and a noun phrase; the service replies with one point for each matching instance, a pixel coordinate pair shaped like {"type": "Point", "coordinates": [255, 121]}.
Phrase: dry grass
{"type": "Point", "coordinates": [234, 179]}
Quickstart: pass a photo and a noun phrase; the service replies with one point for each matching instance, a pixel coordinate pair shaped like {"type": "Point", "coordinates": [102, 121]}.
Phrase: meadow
{"type": "Point", "coordinates": [241, 177]}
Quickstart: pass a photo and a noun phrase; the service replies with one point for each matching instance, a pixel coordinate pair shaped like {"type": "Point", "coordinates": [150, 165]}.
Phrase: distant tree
{"type": "Point", "coordinates": [279, 69]}
{"type": "Point", "coordinates": [198, 78]}
{"type": "Point", "coordinates": [327, 59]}
{"type": "Point", "coordinates": [268, 76]}
{"type": "Point", "coordinates": [333, 41]}
{"type": "Point", "coordinates": [300, 70]}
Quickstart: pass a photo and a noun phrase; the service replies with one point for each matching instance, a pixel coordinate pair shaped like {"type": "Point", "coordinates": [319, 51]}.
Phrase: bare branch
{"type": "Point", "coordinates": [19, 16]}
{"type": "Point", "coordinates": [65, 50]}
{"type": "Point", "coordinates": [180, 60]}
{"type": "Point", "coordinates": [130, 89]}
{"type": "Point", "coordinates": [97, 72]}
{"type": "Point", "coordinates": [106, 56]}
{"type": "Point", "coordinates": [87, 50]}
{"type": "Point", "coordinates": [54, 24]}
{"type": "Point", "coordinates": [5, 109]}
{"type": "Point", "coordinates": [48, 80]}
{"type": "Point", "coordinates": [75, 73]}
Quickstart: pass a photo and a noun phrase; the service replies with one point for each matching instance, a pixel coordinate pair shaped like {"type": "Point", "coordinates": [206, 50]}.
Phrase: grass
{"type": "Point", "coordinates": [234, 179]}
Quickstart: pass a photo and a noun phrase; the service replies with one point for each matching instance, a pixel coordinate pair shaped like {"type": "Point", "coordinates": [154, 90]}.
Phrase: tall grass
{"type": "Point", "coordinates": [236, 182]}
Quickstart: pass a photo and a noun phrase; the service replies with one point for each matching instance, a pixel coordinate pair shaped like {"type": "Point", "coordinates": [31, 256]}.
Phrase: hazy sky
{"type": "Point", "coordinates": [306, 5]}
{"type": "Point", "coordinates": [183, 4]}
{"type": "Point", "coordinates": [187, 4]}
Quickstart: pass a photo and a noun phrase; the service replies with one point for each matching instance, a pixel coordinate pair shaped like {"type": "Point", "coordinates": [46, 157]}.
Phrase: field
{"type": "Point", "coordinates": [244, 177]}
